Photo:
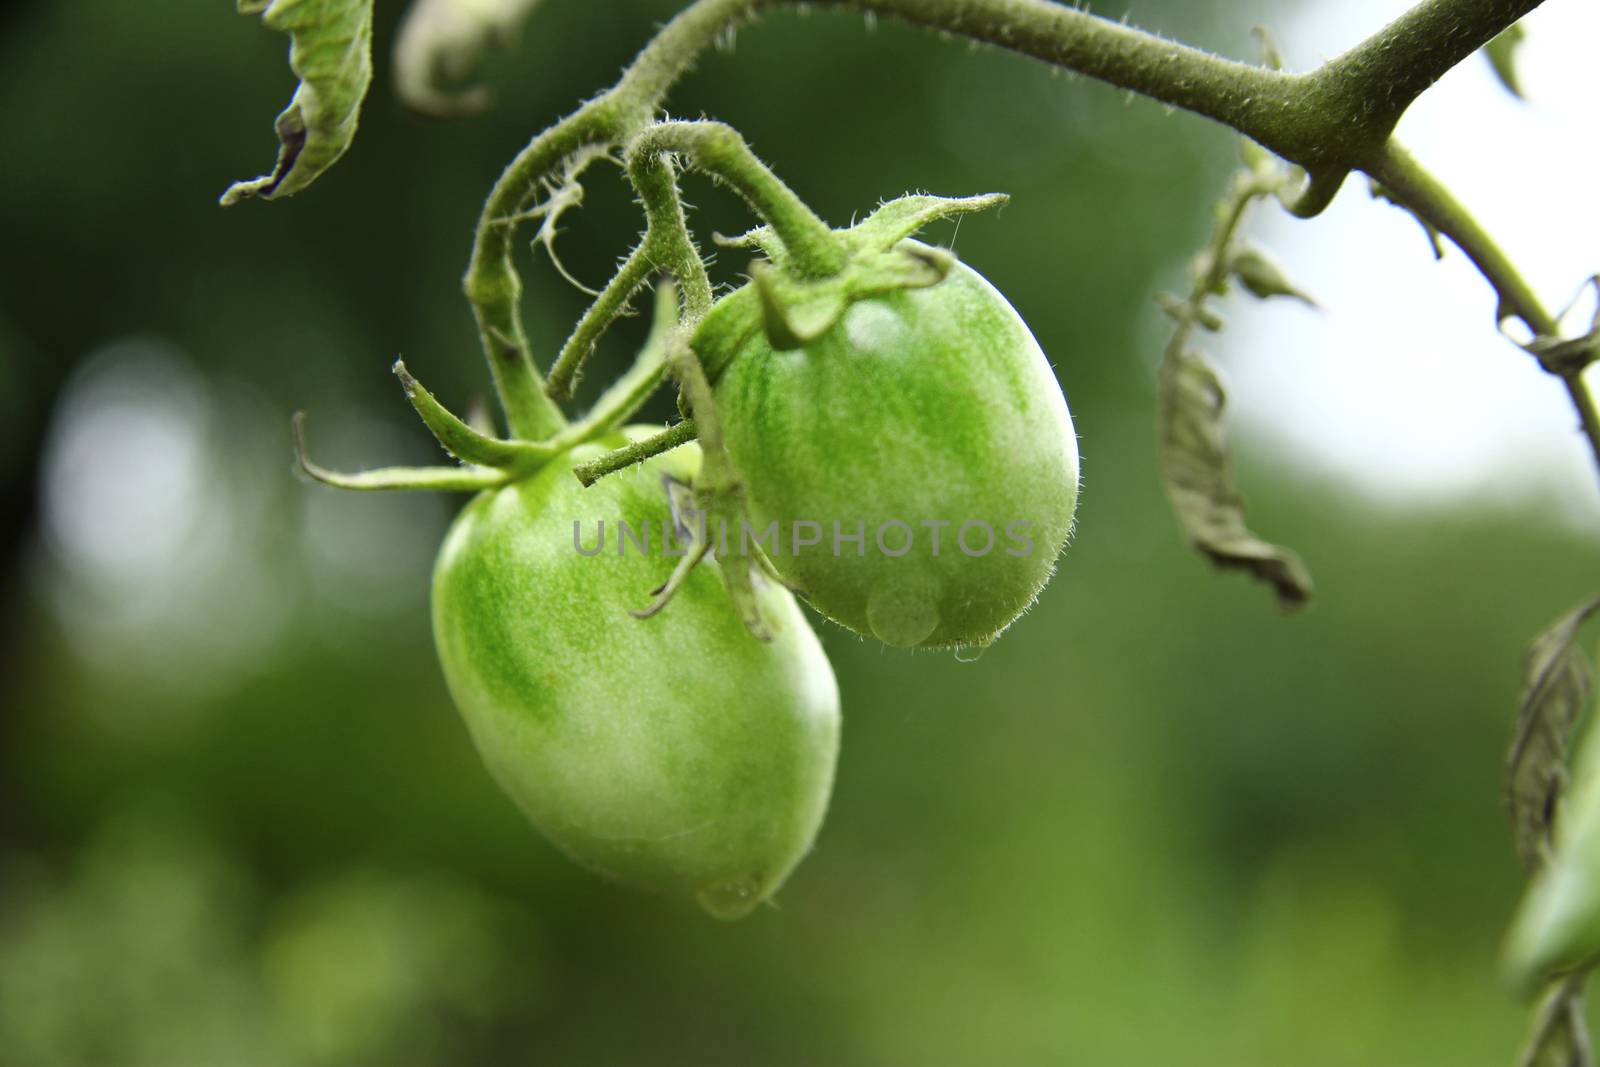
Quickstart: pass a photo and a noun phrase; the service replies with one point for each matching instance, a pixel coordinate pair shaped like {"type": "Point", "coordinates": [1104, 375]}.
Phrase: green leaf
{"type": "Point", "coordinates": [1197, 469]}
{"type": "Point", "coordinates": [1557, 681]}
{"type": "Point", "coordinates": [330, 50]}
{"type": "Point", "coordinates": [1502, 55]}
{"type": "Point", "coordinates": [440, 46]}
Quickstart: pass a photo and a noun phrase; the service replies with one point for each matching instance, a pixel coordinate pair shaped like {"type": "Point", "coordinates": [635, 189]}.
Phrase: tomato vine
{"type": "Point", "coordinates": [1304, 135]}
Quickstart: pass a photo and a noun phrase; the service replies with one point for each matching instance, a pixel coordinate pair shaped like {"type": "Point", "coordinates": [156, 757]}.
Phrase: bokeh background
{"type": "Point", "coordinates": [1157, 823]}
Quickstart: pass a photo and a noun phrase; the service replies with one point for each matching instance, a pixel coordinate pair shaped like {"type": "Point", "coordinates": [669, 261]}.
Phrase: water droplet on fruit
{"type": "Point", "coordinates": [901, 616]}
{"type": "Point", "coordinates": [732, 900]}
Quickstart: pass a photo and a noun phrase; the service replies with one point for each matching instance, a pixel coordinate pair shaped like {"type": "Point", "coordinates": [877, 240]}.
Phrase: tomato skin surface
{"type": "Point", "coordinates": [917, 407]}
{"type": "Point", "coordinates": [677, 753]}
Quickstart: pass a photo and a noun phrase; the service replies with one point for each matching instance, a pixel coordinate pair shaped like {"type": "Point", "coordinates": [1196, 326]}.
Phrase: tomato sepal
{"type": "Point", "coordinates": [796, 310]}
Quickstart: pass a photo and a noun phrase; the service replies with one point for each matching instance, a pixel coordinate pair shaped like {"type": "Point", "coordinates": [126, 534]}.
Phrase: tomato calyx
{"type": "Point", "coordinates": [488, 461]}
{"type": "Point", "coordinates": [794, 310]}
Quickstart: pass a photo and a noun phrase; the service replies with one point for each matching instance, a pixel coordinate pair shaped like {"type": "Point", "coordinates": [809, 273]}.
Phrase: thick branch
{"type": "Point", "coordinates": [1324, 121]}
{"type": "Point", "coordinates": [1263, 103]}
{"type": "Point", "coordinates": [1379, 78]}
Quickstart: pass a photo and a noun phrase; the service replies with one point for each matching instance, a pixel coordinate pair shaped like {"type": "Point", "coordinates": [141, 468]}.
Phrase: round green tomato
{"type": "Point", "coordinates": [922, 444]}
{"type": "Point", "coordinates": [676, 753]}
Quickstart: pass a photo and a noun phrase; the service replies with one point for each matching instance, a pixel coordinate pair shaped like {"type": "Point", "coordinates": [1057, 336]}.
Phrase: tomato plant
{"type": "Point", "coordinates": [862, 382]}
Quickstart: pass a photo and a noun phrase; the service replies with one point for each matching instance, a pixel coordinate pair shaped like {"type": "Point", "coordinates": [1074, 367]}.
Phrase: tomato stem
{"type": "Point", "coordinates": [622, 458]}
{"type": "Point", "coordinates": [667, 247]}
{"type": "Point", "coordinates": [612, 302]}
{"type": "Point", "coordinates": [633, 388]}
{"type": "Point", "coordinates": [716, 148]}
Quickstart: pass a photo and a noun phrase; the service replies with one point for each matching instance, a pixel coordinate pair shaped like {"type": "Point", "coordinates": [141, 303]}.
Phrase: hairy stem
{"type": "Point", "coordinates": [1263, 103]}
{"type": "Point", "coordinates": [612, 301]}
{"type": "Point", "coordinates": [629, 392]}
{"type": "Point", "coordinates": [673, 436]}
{"type": "Point", "coordinates": [672, 248]}
{"type": "Point", "coordinates": [717, 149]}
{"type": "Point", "coordinates": [666, 247]}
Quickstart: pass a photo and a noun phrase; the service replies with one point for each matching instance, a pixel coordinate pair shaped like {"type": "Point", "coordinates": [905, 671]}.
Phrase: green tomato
{"type": "Point", "coordinates": [676, 753]}
{"type": "Point", "coordinates": [922, 443]}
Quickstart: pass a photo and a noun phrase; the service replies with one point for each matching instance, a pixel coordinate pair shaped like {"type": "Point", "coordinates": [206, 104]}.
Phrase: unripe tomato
{"type": "Point", "coordinates": [676, 753]}
{"type": "Point", "coordinates": [923, 442]}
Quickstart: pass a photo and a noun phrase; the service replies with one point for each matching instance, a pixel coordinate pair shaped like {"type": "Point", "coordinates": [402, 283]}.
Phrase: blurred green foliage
{"type": "Point", "coordinates": [1157, 823]}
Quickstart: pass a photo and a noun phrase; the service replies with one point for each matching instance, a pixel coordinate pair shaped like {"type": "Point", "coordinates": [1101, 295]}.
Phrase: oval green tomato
{"type": "Point", "coordinates": [677, 753]}
{"type": "Point", "coordinates": [923, 445]}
